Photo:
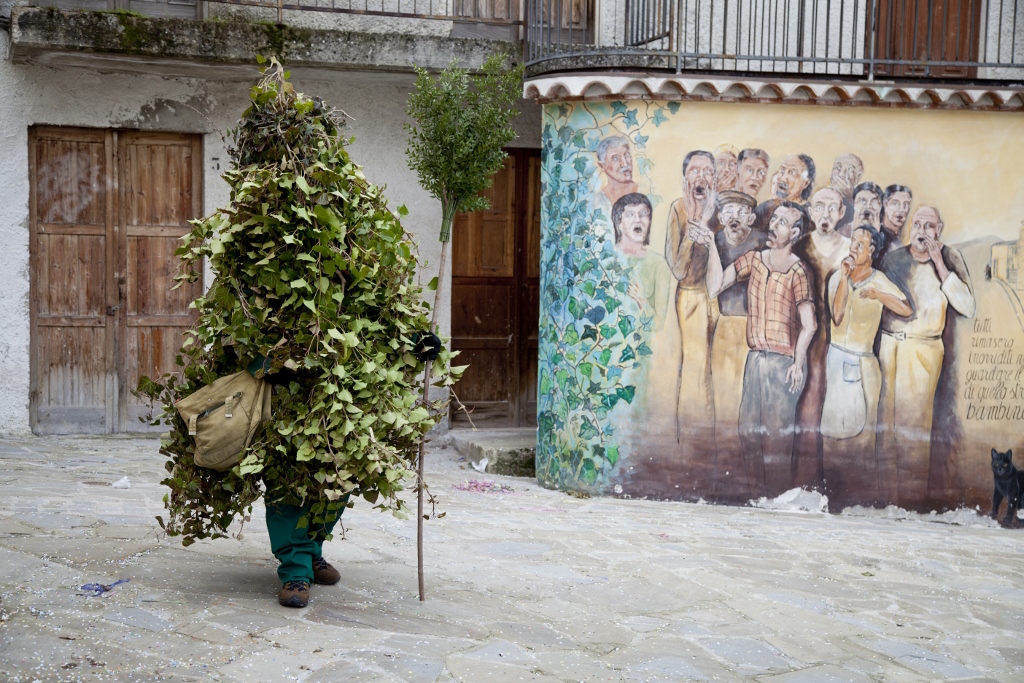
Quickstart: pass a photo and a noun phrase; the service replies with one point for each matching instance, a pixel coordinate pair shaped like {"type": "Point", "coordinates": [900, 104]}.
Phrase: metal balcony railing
{"type": "Point", "coordinates": [867, 39]}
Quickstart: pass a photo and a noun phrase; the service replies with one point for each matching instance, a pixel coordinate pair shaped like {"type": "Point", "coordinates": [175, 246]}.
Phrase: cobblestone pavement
{"type": "Point", "coordinates": [523, 585]}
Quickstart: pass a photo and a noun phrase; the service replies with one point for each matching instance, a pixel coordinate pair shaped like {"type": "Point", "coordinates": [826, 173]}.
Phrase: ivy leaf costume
{"type": "Point", "coordinates": [315, 289]}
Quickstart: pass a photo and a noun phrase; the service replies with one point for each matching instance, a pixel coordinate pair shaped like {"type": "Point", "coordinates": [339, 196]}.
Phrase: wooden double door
{"type": "Point", "coordinates": [107, 210]}
{"type": "Point", "coordinates": [496, 299]}
{"type": "Point", "coordinates": [928, 30]}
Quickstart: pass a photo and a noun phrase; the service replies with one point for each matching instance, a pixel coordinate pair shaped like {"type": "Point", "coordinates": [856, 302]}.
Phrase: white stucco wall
{"type": "Point", "coordinates": [80, 97]}
{"type": "Point", "coordinates": [1000, 45]}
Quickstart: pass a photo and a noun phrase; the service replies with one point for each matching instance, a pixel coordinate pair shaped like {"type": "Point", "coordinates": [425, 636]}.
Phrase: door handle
{"type": "Point", "coordinates": [111, 310]}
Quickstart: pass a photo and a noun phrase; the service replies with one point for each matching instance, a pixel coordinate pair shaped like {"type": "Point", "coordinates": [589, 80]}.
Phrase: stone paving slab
{"type": "Point", "coordinates": [523, 585]}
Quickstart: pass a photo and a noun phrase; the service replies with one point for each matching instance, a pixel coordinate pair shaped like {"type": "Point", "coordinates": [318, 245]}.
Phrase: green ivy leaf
{"type": "Point", "coordinates": [587, 430]}
{"type": "Point", "coordinates": [572, 337]}
{"type": "Point", "coordinates": [626, 393]}
{"type": "Point", "coordinates": [576, 309]}
{"type": "Point", "coordinates": [589, 472]}
{"type": "Point", "coordinates": [627, 355]}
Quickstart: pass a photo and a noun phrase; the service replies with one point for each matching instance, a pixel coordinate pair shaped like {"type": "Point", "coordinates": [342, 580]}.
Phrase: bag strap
{"type": "Point", "coordinates": [192, 422]}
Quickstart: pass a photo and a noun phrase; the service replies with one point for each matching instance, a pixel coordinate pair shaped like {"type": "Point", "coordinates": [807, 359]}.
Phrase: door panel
{"type": "Point", "coordinates": [528, 356]}
{"type": "Point", "coordinates": [160, 192]}
{"type": "Point", "coordinates": [72, 337]}
{"type": "Point", "coordinates": [494, 319]}
{"type": "Point", "coordinates": [483, 298]}
{"type": "Point", "coordinates": [529, 286]}
{"type": "Point", "coordinates": [483, 336]}
{"type": "Point", "coordinates": [923, 30]}
{"type": "Point", "coordinates": [107, 209]}
{"type": "Point", "coordinates": [483, 242]}
{"type": "Point", "coordinates": [487, 9]}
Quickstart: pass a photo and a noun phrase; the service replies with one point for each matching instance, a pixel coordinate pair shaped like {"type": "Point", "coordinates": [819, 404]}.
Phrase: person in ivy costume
{"type": "Point", "coordinates": [315, 291]}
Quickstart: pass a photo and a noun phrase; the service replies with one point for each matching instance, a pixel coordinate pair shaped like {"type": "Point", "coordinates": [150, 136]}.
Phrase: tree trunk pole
{"type": "Point", "coordinates": [446, 222]}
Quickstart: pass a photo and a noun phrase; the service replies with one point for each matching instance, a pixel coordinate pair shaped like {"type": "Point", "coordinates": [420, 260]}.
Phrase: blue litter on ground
{"type": "Point", "coordinates": [99, 589]}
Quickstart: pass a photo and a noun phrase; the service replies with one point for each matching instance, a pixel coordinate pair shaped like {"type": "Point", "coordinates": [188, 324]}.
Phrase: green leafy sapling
{"type": "Point", "coordinates": [461, 123]}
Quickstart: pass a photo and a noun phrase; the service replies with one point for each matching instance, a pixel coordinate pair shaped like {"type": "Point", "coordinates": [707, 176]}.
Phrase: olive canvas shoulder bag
{"type": "Point", "coordinates": [224, 417]}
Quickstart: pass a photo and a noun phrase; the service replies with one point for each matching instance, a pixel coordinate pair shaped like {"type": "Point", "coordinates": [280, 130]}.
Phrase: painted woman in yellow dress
{"type": "Point", "coordinates": [857, 295]}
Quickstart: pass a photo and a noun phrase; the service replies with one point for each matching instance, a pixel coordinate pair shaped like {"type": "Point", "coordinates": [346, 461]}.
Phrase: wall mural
{"type": "Point", "coordinates": [740, 299]}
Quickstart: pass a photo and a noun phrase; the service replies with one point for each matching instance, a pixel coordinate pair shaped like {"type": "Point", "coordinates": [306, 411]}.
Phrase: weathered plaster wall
{"type": "Point", "coordinates": [83, 97]}
{"type": "Point", "coordinates": [339, 21]}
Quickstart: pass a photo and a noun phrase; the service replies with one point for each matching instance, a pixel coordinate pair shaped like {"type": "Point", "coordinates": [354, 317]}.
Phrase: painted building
{"type": "Point", "coordinates": [113, 136]}
{"type": "Point", "coordinates": [1005, 256]}
{"type": "Point", "coordinates": [767, 250]}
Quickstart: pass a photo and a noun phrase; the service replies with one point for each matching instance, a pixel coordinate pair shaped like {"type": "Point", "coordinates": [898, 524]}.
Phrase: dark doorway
{"type": "Point", "coordinates": [495, 299]}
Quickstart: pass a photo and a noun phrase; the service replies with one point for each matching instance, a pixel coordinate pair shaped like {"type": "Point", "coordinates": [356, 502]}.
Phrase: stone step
{"type": "Point", "coordinates": [498, 451]}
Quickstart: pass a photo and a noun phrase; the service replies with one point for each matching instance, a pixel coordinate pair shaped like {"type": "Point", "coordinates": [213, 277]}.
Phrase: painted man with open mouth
{"type": "Point", "coordinates": [793, 181]}
{"type": "Point", "coordinates": [690, 217]}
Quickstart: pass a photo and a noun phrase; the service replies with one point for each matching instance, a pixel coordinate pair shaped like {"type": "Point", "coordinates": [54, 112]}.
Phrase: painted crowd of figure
{"type": "Point", "coordinates": [811, 322]}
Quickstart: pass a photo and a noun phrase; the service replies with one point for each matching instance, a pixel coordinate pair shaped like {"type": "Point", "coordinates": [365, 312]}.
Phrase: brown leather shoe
{"type": "Point", "coordinates": [324, 573]}
{"type": "Point", "coordinates": [294, 594]}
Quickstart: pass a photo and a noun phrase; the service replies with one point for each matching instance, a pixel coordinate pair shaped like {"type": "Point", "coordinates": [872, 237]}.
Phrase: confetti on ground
{"type": "Point", "coordinates": [484, 486]}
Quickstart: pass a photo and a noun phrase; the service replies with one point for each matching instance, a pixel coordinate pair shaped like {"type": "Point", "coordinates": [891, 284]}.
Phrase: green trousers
{"type": "Point", "coordinates": [296, 548]}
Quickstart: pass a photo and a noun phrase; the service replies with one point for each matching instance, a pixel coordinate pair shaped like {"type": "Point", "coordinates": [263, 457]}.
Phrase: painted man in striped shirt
{"type": "Point", "coordinates": [780, 324]}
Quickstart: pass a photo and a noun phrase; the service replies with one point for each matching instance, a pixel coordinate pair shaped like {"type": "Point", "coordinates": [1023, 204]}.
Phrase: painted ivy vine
{"type": "Point", "coordinates": [594, 339]}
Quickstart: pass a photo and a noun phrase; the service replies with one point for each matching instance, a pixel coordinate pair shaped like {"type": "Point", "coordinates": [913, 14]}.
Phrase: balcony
{"type": "Point", "coordinates": [926, 41]}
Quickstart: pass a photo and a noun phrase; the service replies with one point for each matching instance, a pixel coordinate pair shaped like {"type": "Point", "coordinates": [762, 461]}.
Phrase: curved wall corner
{"type": "Point", "coordinates": [650, 387]}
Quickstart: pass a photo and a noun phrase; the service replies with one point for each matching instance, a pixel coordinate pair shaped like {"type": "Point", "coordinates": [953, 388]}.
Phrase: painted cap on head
{"type": "Point", "coordinates": [735, 197]}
